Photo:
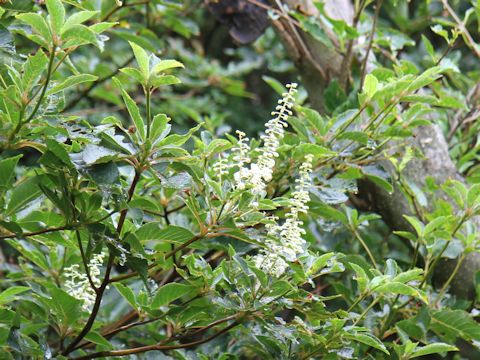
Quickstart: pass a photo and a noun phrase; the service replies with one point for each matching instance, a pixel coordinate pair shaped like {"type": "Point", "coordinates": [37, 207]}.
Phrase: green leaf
{"type": "Point", "coordinates": [65, 305]}
{"type": "Point", "coordinates": [38, 24]}
{"type": "Point", "coordinates": [160, 128]}
{"type": "Point", "coordinates": [370, 85]}
{"type": "Point", "coordinates": [166, 65]}
{"type": "Point", "coordinates": [409, 275]}
{"type": "Point", "coordinates": [134, 73]}
{"type": "Point", "coordinates": [320, 262]}
{"type": "Point", "coordinates": [94, 154]}
{"type": "Point", "coordinates": [79, 18]}
{"type": "Point", "coordinates": [98, 339]}
{"type": "Point", "coordinates": [399, 289]}
{"type": "Point", "coordinates": [6, 40]}
{"type": "Point", "coordinates": [127, 294]}
{"type": "Point", "coordinates": [417, 224]}
{"type": "Point", "coordinates": [155, 231]}
{"type": "Point", "coordinates": [178, 140]}
{"type": "Point", "coordinates": [77, 35]}
{"type": "Point", "coordinates": [429, 48]}
{"type": "Point", "coordinates": [361, 277]}
{"type": "Point", "coordinates": [33, 68]}
{"type": "Point", "coordinates": [378, 177]}
{"type": "Point", "coordinates": [274, 84]}
{"type": "Point", "coordinates": [314, 149]}
{"type": "Point", "coordinates": [71, 81]}
{"type": "Point", "coordinates": [357, 136]}
{"type": "Point", "coordinates": [57, 15]}
{"type": "Point", "coordinates": [143, 60]}
{"type": "Point", "coordinates": [164, 80]}
{"type": "Point", "coordinates": [9, 294]}
{"type": "Point", "coordinates": [434, 348]}
{"type": "Point", "coordinates": [452, 324]}
{"type": "Point", "coordinates": [7, 171]}
{"type": "Point", "coordinates": [23, 194]}
{"type": "Point", "coordinates": [133, 110]}
{"type": "Point", "coordinates": [369, 340]}
{"type": "Point", "coordinates": [170, 292]}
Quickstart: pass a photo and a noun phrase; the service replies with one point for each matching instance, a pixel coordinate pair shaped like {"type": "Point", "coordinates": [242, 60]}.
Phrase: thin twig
{"type": "Point", "coordinates": [461, 25]}
{"type": "Point", "coordinates": [363, 71]}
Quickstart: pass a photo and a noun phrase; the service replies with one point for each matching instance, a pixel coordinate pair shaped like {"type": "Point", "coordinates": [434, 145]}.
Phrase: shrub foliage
{"type": "Point", "coordinates": [135, 223]}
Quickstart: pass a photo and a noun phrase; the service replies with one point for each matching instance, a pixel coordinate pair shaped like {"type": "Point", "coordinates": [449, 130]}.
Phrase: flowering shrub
{"type": "Point", "coordinates": [147, 230]}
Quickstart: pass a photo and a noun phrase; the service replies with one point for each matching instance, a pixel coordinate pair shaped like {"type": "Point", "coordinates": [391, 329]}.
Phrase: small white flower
{"type": "Point", "coordinates": [242, 149]}
{"type": "Point", "coordinates": [77, 284]}
{"type": "Point", "coordinates": [220, 168]}
{"type": "Point", "coordinates": [260, 173]}
{"type": "Point", "coordinates": [285, 242]}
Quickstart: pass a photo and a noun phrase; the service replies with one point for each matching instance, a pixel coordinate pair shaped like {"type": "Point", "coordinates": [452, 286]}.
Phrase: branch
{"type": "Point", "coordinates": [160, 347]}
{"type": "Point", "coordinates": [370, 43]}
{"type": "Point", "coordinates": [101, 290]}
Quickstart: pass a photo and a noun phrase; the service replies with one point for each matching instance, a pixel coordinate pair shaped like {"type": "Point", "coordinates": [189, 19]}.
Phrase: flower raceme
{"type": "Point", "coordinates": [77, 284]}
{"type": "Point", "coordinates": [259, 174]}
{"type": "Point", "coordinates": [285, 242]}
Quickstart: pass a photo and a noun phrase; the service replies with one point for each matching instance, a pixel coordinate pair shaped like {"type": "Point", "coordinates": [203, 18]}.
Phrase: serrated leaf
{"type": "Point", "coordinates": [164, 80]}
{"type": "Point", "coordinates": [361, 277]}
{"type": "Point", "coordinates": [166, 65]}
{"type": "Point", "coordinates": [94, 154]}
{"type": "Point", "coordinates": [370, 85]}
{"type": "Point", "coordinates": [78, 18]}
{"type": "Point", "coordinates": [133, 73]}
{"type": "Point", "coordinates": [170, 292]}
{"type": "Point", "coordinates": [434, 348]}
{"type": "Point", "coordinates": [369, 340]}
{"type": "Point", "coordinates": [38, 24]}
{"type": "Point", "coordinates": [22, 194]}
{"type": "Point", "coordinates": [154, 231]}
{"type": "Point", "coordinates": [409, 275]}
{"type": "Point", "coordinates": [316, 150]}
{"type": "Point", "coordinates": [178, 140]}
{"type": "Point", "coordinates": [33, 68]}
{"type": "Point", "coordinates": [56, 11]}
{"type": "Point", "coordinates": [72, 81]}
{"type": "Point", "coordinates": [453, 324]}
{"type": "Point", "coordinates": [127, 294]}
{"type": "Point", "coordinates": [133, 110]}
{"type": "Point", "coordinates": [399, 288]}
{"type": "Point", "coordinates": [160, 128]}
{"type": "Point", "coordinates": [143, 60]}
{"type": "Point", "coordinates": [77, 35]}
{"type": "Point", "coordinates": [98, 339]}
{"type": "Point", "coordinates": [9, 294]}
{"type": "Point", "coordinates": [7, 171]}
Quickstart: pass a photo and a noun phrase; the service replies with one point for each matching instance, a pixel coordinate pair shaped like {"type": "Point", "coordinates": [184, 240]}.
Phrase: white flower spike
{"type": "Point", "coordinates": [285, 242]}
{"type": "Point", "coordinates": [77, 284]}
{"type": "Point", "coordinates": [260, 173]}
